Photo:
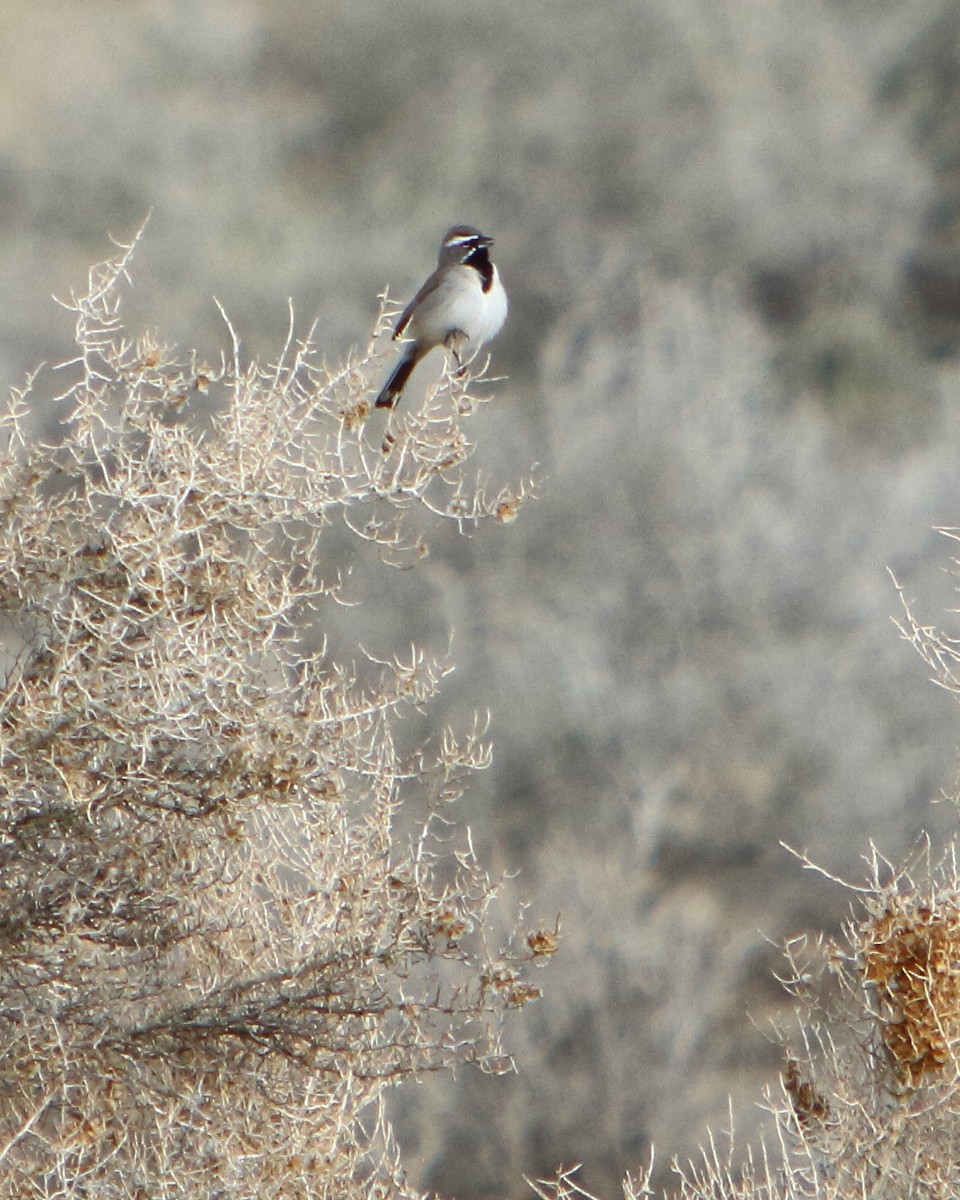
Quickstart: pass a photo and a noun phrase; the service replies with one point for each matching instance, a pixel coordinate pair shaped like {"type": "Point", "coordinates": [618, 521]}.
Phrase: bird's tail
{"type": "Point", "coordinates": [390, 392]}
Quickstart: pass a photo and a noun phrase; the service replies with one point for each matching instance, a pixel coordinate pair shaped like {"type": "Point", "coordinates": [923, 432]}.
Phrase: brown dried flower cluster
{"type": "Point", "coordinates": [911, 955]}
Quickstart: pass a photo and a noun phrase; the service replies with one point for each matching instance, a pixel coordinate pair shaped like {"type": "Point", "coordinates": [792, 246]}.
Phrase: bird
{"type": "Point", "coordinates": [462, 302]}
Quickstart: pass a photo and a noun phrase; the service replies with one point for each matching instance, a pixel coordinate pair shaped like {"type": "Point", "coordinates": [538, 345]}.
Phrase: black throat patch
{"type": "Point", "coordinates": [479, 259]}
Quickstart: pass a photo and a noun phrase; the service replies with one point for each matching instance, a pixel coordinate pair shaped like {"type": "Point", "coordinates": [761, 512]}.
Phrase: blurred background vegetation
{"type": "Point", "coordinates": [731, 237]}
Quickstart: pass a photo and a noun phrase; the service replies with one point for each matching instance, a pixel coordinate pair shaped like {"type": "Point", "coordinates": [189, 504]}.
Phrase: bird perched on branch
{"type": "Point", "coordinates": [461, 306]}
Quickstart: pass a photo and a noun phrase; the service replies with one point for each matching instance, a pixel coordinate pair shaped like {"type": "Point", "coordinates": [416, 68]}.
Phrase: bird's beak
{"type": "Point", "coordinates": [485, 241]}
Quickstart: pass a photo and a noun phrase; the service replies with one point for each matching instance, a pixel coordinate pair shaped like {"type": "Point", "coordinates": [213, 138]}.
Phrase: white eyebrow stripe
{"type": "Point", "coordinates": [461, 240]}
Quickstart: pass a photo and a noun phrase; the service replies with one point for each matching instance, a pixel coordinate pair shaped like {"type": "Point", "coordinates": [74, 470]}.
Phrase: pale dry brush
{"type": "Point", "coordinates": [869, 1098]}
{"type": "Point", "coordinates": [215, 950]}
{"type": "Point", "coordinates": [868, 1103]}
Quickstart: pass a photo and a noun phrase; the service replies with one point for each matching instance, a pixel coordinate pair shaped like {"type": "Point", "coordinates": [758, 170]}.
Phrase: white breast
{"type": "Point", "coordinates": [460, 303]}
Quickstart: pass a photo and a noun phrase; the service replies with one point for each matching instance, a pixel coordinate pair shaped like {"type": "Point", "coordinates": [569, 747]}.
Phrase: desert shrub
{"type": "Point", "coordinates": [867, 1102]}
{"type": "Point", "coordinates": [216, 948]}
{"type": "Point", "coordinates": [868, 1098]}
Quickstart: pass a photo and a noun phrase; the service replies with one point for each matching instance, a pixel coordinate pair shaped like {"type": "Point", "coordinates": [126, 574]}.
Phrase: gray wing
{"type": "Point", "coordinates": [430, 286]}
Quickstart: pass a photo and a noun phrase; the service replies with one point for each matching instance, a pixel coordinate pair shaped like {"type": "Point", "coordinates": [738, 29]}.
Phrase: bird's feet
{"type": "Point", "coordinates": [455, 341]}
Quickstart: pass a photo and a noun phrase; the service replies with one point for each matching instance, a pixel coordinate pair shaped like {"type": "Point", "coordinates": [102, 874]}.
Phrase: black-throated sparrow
{"type": "Point", "coordinates": [463, 301]}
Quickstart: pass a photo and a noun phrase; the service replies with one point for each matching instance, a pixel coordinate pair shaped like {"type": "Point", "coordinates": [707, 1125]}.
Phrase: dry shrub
{"type": "Point", "coordinates": [869, 1103]}
{"type": "Point", "coordinates": [215, 950]}
{"type": "Point", "coordinates": [869, 1098]}
{"type": "Point", "coordinates": [564, 1185]}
